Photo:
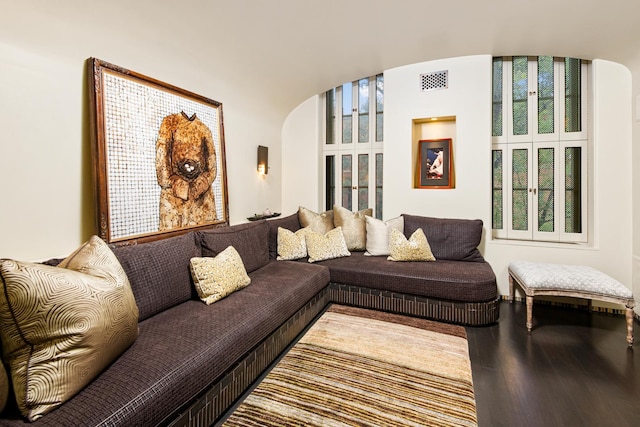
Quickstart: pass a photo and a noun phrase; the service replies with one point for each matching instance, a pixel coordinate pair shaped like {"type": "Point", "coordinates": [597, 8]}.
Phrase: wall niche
{"type": "Point", "coordinates": [439, 129]}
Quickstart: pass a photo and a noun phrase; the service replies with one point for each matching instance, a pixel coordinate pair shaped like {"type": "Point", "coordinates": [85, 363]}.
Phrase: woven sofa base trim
{"type": "Point", "coordinates": [216, 400]}
{"type": "Point", "coordinates": [463, 313]}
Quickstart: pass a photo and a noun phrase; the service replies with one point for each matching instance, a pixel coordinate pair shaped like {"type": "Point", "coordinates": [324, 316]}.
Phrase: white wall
{"type": "Point", "coordinates": [47, 207]}
{"type": "Point", "coordinates": [301, 155]}
{"type": "Point", "coordinates": [468, 99]}
{"type": "Point", "coordinates": [636, 182]}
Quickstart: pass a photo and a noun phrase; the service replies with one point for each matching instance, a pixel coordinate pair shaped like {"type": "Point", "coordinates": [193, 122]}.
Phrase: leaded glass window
{"type": "Point", "coordinates": [520, 95]}
{"type": "Point", "coordinates": [347, 180]}
{"type": "Point", "coordinates": [330, 181]}
{"type": "Point", "coordinates": [572, 188]}
{"type": "Point", "coordinates": [347, 113]}
{"type": "Point", "coordinates": [496, 98]}
{"type": "Point", "coordinates": [539, 192]}
{"type": "Point", "coordinates": [546, 112]}
{"type": "Point", "coordinates": [520, 190]}
{"type": "Point", "coordinates": [353, 142]}
{"type": "Point", "coordinates": [330, 116]}
{"type": "Point", "coordinates": [363, 110]}
{"type": "Point", "coordinates": [497, 190]}
{"type": "Point", "coordinates": [545, 191]}
{"type": "Point", "coordinates": [572, 95]}
{"type": "Point", "coordinates": [378, 209]}
{"type": "Point", "coordinates": [379, 107]}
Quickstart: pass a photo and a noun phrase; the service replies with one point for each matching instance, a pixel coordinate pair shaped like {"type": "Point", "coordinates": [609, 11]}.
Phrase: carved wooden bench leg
{"type": "Point", "coordinates": [511, 289]}
{"type": "Point", "coordinates": [629, 316]}
{"type": "Point", "coordinates": [529, 313]}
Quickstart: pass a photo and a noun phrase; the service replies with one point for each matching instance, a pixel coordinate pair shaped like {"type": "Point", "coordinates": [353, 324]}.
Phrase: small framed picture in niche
{"type": "Point", "coordinates": [435, 168]}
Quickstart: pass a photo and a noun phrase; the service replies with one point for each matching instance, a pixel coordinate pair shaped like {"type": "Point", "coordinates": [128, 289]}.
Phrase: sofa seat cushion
{"type": "Point", "coordinates": [442, 279]}
{"type": "Point", "coordinates": [182, 350]}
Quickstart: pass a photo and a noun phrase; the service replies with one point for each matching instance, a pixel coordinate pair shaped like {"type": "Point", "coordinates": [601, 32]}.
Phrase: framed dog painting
{"type": "Point", "coordinates": [159, 157]}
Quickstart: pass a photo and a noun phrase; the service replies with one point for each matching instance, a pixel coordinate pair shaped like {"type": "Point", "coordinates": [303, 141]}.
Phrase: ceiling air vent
{"type": "Point", "coordinates": [434, 81]}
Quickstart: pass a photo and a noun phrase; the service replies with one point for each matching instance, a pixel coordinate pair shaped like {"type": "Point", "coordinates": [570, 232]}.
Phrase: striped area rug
{"type": "Point", "coordinates": [358, 367]}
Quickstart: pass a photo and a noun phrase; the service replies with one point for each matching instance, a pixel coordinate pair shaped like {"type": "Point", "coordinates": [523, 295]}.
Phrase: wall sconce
{"type": "Point", "coordinates": [263, 160]}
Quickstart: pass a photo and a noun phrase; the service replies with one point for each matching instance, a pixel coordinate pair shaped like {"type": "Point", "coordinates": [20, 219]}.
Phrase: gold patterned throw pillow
{"type": "Point", "coordinates": [353, 226]}
{"type": "Point", "coordinates": [62, 326]}
{"type": "Point", "coordinates": [415, 249]}
{"type": "Point", "coordinates": [319, 222]}
{"type": "Point", "coordinates": [291, 245]}
{"type": "Point", "coordinates": [220, 276]}
{"type": "Point", "coordinates": [328, 246]}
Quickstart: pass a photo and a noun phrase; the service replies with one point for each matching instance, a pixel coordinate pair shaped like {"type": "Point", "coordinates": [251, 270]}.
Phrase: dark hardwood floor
{"type": "Point", "coordinates": [573, 369]}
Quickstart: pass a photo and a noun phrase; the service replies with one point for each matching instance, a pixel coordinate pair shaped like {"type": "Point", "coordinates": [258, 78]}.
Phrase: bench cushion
{"type": "Point", "coordinates": [581, 278]}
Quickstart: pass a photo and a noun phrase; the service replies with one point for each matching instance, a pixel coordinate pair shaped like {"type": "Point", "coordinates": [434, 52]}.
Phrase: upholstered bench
{"type": "Point", "coordinates": [569, 281]}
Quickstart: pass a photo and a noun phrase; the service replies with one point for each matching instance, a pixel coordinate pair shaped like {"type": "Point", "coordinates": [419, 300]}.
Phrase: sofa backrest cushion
{"type": "Point", "coordinates": [290, 222]}
{"type": "Point", "coordinates": [452, 239]}
{"type": "Point", "coordinates": [251, 240]}
{"type": "Point", "coordinates": [159, 272]}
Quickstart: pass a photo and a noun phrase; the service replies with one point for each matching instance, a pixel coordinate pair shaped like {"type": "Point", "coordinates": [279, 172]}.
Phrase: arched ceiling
{"type": "Point", "coordinates": [284, 51]}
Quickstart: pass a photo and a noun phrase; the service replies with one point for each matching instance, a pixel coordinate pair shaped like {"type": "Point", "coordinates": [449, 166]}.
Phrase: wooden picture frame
{"type": "Point", "coordinates": [158, 155]}
{"type": "Point", "coordinates": [435, 164]}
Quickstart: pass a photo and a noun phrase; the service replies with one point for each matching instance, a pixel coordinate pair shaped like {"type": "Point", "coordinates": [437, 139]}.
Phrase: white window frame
{"type": "Point", "coordinates": [559, 140]}
{"type": "Point", "coordinates": [354, 148]}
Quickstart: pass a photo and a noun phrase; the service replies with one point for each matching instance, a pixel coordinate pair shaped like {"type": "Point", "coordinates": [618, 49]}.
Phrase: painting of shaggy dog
{"type": "Point", "coordinates": [186, 168]}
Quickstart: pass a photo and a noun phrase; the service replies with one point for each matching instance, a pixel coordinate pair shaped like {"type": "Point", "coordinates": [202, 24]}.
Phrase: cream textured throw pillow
{"type": "Point", "coordinates": [328, 246]}
{"type": "Point", "coordinates": [415, 249]}
{"type": "Point", "coordinates": [62, 326]}
{"type": "Point", "coordinates": [353, 226]}
{"type": "Point", "coordinates": [378, 234]}
{"type": "Point", "coordinates": [319, 222]}
{"type": "Point", "coordinates": [291, 245]}
{"type": "Point", "coordinates": [217, 277]}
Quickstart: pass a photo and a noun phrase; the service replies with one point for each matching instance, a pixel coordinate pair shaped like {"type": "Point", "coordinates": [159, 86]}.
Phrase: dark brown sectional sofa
{"type": "Point", "coordinates": [191, 361]}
